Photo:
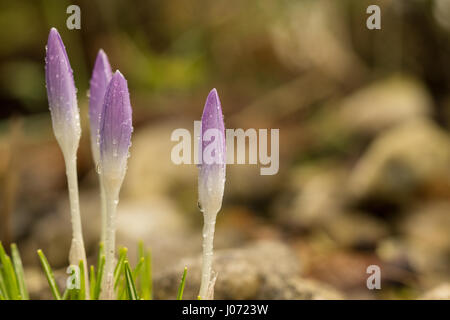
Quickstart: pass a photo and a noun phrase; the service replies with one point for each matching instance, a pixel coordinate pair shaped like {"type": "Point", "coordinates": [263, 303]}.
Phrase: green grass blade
{"type": "Point", "coordinates": [131, 288]}
{"type": "Point", "coordinates": [18, 268]}
{"type": "Point", "coordinates": [92, 282]}
{"type": "Point", "coordinates": [74, 294]}
{"type": "Point", "coordinates": [101, 253]}
{"type": "Point", "coordinates": [2, 297]}
{"type": "Point", "coordinates": [146, 278]}
{"type": "Point", "coordinates": [49, 274]}
{"type": "Point", "coordinates": [9, 275]}
{"type": "Point", "coordinates": [122, 291]}
{"type": "Point", "coordinates": [141, 250]}
{"type": "Point", "coordinates": [82, 293]}
{"type": "Point", "coordinates": [138, 268]}
{"type": "Point", "coordinates": [65, 295]}
{"type": "Point", "coordinates": [101, 268]}
{"type": "Point", "coordinates": [119, 266]}
{"type": "Point", "coordinates": [3, 290]}
{"type": "Point", "coordinates": [181, 288]}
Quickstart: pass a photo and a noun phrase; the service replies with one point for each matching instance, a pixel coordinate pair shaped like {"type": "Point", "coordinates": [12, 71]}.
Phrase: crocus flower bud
{"type": "Point", "coordinates": [211, 182]}
{"type": "Point", "coordinates": [61, 94]}
{"type": "Point", "coordinates": [115, 130]}
{"type": "Point", "coordinates": [211, 179]}
{"type": "Point", "coordinates": [115, 140]}
{"type": "Point", "coordinates": [101, 75]}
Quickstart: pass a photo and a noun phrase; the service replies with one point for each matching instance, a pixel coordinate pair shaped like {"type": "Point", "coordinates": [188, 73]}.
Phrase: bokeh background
{"type": "Point", "coordinates": [364, 120]}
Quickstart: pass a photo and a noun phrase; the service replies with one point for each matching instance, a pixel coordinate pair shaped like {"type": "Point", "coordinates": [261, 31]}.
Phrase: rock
{"type": "Point", "coordinates": [53, 232]}
{"type": "Point", "coordinates": [318, 196]}
{"type": "Point", "coordinates": [426, 232]}
{"type": "Point", "coordinates": [297, 288]}
{"type": "Point", "coordinates": [384, 104]}
{"type": "Point", "coordinates": [241, 272]}
{"type": "Point", "coordinates": [161, 226]}
{"type": "Point", "coordinates": [441, 292]}
{"type": "Point", "coordinates": [356, 230]}
{"type": "Point", "coordinates": [150, 169]}
{"type": "Point", "coordinates": [262, 270]}
{"type": "Point", "coordinates": [414, 155]}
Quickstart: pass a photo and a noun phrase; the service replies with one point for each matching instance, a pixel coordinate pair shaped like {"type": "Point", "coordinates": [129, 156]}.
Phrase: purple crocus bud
{"type": "Point", "coordinates": [115, 129]}
{"type": "Point", "coordinates": [101, 75]}
{"type": "Point", "coordinates": [61, 94]}
{"type": "Point", "coordinates": [211, 179]}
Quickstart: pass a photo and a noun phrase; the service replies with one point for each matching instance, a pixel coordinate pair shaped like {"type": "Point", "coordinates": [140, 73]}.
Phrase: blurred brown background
{"type": "Point", "coordinates": [364, 121]}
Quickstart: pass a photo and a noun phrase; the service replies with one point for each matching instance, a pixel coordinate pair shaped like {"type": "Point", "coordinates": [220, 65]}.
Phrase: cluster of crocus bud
{"type": "Point", "coordinates": [111, 128]}
{"type": "Point", "coordinates": [110, 118]}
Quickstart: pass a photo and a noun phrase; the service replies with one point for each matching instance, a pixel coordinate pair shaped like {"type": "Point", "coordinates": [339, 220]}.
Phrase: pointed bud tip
{"type": "Point", "coordinates": [120, 79]}
{"type": "Point", "coordinates": [117, 73]}
{"type": "Point", "coordinates": [53, 31]}
{"type": "Point", "coordinates": [212, 109]}
{"type": "Point", "coordinates": [54, 37]}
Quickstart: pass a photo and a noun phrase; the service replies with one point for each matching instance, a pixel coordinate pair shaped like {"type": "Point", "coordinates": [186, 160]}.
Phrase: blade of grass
{"type": "Point", "coordinates": [101, 267]}
{"type": "Point", "coordinates": [138, 268]}
{"type": "Point", "coordinates": [92, 282]}
{"type": "Point", "coordinates": [2, 297]}
{"type": "Point", "coordinates": [65, 295]}
{"type": "Point", "coordinates": [122, 291]}
{"type": "Point", "coordinates": [146, 278]}
{"type": "Point", "coordinates": [49, 274]}
{"type": "Point", "coordinates": [82, 293]}
{"type": "Point", "coordinates": [74, 294]}
{"type": "Point", "coordinates": [181, 288]}
{"type": "Point", "coordinates": [9, 275]}
{"type": "Point", "coordinates": [18, 268]}
{"type": "Point", "coordinates": [131, 288]}
{"type": "Point", "coordinates": [141, 250]}
{"type": "Point", "coordinates": [2, 284]}
{"type": "Point", "coordinates": [101, 252]}
{"type": "Point", "coordinates": [119, 267]}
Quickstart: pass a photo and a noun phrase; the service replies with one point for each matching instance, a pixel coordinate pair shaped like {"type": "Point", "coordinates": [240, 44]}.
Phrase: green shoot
{"type": "Point", "coordinates": [9, 276]}
{"type": "Point", "coordinates": [98, 283]}
{"type": "Point", "coordinates": [119, 267]}
{"type": "Point", "coordinates": [49, 274]}
{"type": "Point", "coordinates": [131, 287]}
{"type": "Point", "coordinates": [181, 288]}
{"type": "Point", "coordinates": [18, 268]}
{"type": "Point", "coordinates": [92, 282]}
{"type": "Point", "coordinates": [82, 293]}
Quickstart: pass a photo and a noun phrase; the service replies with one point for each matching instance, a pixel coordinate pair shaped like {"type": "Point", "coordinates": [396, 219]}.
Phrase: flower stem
{"type": "Point", "coordinates": [77, 251]}
{"type": "Point", "coordinates": [103, 212]}
{"type": "Point", "coordinates": [111, 201]}
{"type": "Point", "coordinates": [208, 240]}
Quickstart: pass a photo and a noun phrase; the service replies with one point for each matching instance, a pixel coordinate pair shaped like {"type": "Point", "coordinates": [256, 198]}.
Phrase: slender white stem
{"type": "Point", "coordinates": [111, 201]}
{"type": "Point", "coordinates": [103, 210]}
{"type": "Point", "coordinates": [77, 251]}
{"type": "Point", "coordinates": [208, 241]}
